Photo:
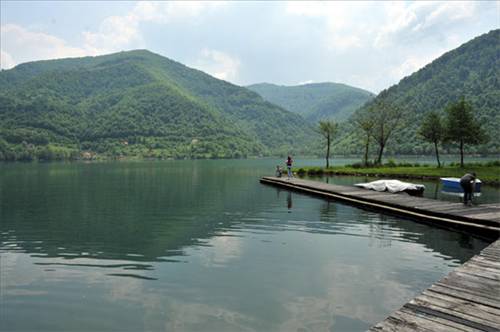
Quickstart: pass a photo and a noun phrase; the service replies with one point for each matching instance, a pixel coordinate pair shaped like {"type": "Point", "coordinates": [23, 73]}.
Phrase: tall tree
{"type": "Point", "coordinates": [462, 128]}
{"type": "Point", "coordinates": [327, 129]}
{"type": "Point", "coordinates": [432, 131]}
{"type": "Point", "coordinates": [385, 117]}
{"type": "Point", "coordinates": [366, 124]}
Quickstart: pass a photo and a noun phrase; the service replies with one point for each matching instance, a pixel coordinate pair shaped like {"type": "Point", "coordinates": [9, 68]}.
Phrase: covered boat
{"type": "Point", "coordinates": [453, 185]}
{"type": "Point", "coordinates": [394, 186]}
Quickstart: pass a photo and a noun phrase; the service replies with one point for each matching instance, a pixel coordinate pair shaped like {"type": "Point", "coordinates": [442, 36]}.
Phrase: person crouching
{"type": "Point", "coordinates": [279, 171]}
{"type": "Point", "coordinates": [468, 181]}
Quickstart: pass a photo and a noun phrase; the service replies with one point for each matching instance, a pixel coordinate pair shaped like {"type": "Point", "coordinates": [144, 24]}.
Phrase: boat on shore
{"type": "Point", "coordinates": [453, 185]}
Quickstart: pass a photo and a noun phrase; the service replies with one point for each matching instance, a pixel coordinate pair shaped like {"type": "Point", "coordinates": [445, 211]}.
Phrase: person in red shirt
{"type": "Point", "coordinates": [289, 162]}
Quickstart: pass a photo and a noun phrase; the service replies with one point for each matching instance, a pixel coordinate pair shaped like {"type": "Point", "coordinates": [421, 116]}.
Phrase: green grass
{"type": "Point", "coordinates": [489, 174]}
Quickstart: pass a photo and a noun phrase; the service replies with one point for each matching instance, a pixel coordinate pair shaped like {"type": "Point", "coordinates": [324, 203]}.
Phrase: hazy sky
{"type": "Point", "coordinates": [371, 45]}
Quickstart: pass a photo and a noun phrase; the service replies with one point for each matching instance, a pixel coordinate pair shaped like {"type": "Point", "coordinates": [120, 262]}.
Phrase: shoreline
{"type": "Point", "coordinates": [489, 175]}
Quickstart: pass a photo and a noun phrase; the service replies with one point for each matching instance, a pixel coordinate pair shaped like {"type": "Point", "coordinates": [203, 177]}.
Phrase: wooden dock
{"type": "Point", "coordinates": [481, 220]}
{"type": "Point", "coordinates": [468, 298]}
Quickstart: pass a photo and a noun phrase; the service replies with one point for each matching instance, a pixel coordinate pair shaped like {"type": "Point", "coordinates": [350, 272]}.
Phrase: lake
{"type": "Point", "coordinates": [202, 246]}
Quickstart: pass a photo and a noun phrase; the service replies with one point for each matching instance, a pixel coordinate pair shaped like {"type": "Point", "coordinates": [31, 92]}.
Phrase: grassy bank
{"type": "Point", "coordinates": [489, 173]}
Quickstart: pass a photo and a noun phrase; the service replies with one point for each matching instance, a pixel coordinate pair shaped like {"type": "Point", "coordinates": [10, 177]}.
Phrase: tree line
{"type": "Point", "coordinates": [381, 118]}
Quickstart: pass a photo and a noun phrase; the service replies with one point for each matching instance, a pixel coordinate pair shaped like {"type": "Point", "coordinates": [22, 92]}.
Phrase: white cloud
{"type": "Point", "coordinates": [119, 32]}
{"type": "Point", "coordinates": [361, 24]}
{"type": "Point", "coordinates": [171, 11]}
{"type": "Point", "coordinates": [343, 30]}
{"type": "Point", "coordinates": [218, 64]}
{"type": "Point", "coordinates": [21, 45]}
{"type": "Point", "coordinates": [221, 250]}
{"type": "Point", "coordinates": [404, 20]}
{"type": "Point", "coordinates": [366, 44]}
{"type": "Point", "coordinates": [305, 82]}
{"type": "Point", "coordinates": [6, 61]}
{"type": "Point", "coordinates": [115, 33]}
{"type": "Point", "coordinates": [410, 65]}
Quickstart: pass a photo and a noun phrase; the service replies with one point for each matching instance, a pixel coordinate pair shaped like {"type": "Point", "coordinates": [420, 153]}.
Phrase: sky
{"type": "Point", "coordinates": [371, 45]}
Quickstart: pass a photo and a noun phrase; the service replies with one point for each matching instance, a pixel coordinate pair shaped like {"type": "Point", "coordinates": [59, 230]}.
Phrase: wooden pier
{"type": "Point", "coordinates": [468, 298]}
{"type": "Point", "coordinates": [481, 220]}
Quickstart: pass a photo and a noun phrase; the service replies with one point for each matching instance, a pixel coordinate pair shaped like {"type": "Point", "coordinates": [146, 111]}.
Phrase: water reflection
{"type": "Point", "coordinates": [201, 246]}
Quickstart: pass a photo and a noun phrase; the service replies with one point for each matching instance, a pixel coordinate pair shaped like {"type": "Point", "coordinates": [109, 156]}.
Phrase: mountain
{"type": "Point", "coordinates": [137, 103]}
{"type": "Point", "coordinates": [471, 70]}
{"type": "Point", "coordinates": [315, 101]}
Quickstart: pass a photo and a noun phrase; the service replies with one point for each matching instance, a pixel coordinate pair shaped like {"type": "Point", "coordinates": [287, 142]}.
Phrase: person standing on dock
{"type": "Point", "coordinates": [289, 162]}
{"type": "Point", "coordinates": [468, 181]}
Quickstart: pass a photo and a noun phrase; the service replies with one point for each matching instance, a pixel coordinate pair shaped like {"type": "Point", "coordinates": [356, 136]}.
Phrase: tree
{"type": "Point", "coordinates": [461, 127]}
{"type": "Point", "coordinates": [385, 118]}
{"type": "Point", "coordinates": [432, 131]}
{"type": "Point", "coordinates": [327, 129]}
{"type": "Point", "coordinates": [366, 124]}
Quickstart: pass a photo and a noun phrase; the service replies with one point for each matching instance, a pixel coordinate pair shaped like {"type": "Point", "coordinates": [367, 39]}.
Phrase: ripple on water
{"type": "Point", "coordinates": [199, 245]}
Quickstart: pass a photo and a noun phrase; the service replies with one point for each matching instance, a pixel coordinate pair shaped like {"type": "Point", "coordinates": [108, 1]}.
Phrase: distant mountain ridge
{"type": "Point", "coordinates": [137, 103]}
{"type": "Point", "coordinates": [315, 101]}
{"type": "Point", "coordinates": [470, 71]}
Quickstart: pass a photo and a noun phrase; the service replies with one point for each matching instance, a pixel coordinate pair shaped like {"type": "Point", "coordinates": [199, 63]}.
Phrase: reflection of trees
{"type": "Point", "coordinates": [139, 212]}
{"type": "Point", "coordinates": [148, 212]}
{"type": "Point", "coordinates": [383, 229]}
{"type": "Point", "coordinates": [327, 210]}
{"type": "Point", "coordinates": [437, 239]}
{"type": "Point", "coordinates": [379, 232]}
{"type": "Point", "coordinates": [441, 240]}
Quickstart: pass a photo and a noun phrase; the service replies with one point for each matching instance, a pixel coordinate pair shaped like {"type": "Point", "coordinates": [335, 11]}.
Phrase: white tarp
{"type": "Point", "coordinates": [393, 186]}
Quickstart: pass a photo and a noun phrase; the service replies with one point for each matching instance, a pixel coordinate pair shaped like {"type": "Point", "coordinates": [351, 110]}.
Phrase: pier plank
{"type": "Point", "coordinates": [410, 320]}
{"type": "Point", "coordinates": [461, 303]}
{"type": "Point", "coordinates": [462, 311]}
{"type": "Point", "coordinates": [465, 294]}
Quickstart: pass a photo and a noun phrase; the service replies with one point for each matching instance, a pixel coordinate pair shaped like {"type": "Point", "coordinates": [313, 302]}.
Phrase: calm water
{"type": "Point", "coordinates": [201, 246]}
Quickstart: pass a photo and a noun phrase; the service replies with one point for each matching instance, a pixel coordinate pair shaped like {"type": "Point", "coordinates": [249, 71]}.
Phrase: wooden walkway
{"type": "Point", "coordinates": [483, 219]}
{"type": "Point", "coordinates": [467, 299]}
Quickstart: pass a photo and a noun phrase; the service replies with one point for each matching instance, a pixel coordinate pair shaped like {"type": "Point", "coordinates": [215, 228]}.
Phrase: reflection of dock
{"type": "Point", "coordinates": [483, 219]}
{"type": "Point", "coordinates": [467, 299]}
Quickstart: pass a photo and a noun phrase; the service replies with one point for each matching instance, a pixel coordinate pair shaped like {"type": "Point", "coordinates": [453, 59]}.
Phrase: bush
{"type": "Point", "coordinates": [301, 171]}
{"type": "Point", "coordinates": [362, 165]}
{"type": "Point", "coordinates": [356, 165]}
{"type": "Point", "coordinates": [315, 171]}
{"type": "Point", "coordinates": [390, 163]}
{"type": "Point", "coordinates": [493, 163]}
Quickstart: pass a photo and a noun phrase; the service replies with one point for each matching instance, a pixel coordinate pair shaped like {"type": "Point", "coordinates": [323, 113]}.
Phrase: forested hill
{"type": "Point", "coordinates": [315, 101]}
{"type": "Point", "coordinates": [471, 70]}
{"type": "Point", "coordinates": [137, 103]}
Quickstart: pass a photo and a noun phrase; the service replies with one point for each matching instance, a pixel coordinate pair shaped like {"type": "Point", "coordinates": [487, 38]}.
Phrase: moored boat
{"type": "Point", "coordinates": [453, 184]}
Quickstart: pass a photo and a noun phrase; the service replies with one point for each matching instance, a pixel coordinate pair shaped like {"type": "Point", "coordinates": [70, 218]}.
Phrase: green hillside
{"type": "Point", "coordinates": [315, 101]}
{"type": "Point", "coordinates": [137, 103]}
{"type": "Point", "coordinates": [471, 70]}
